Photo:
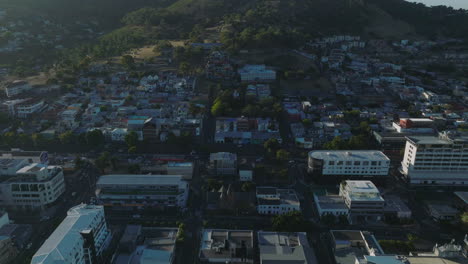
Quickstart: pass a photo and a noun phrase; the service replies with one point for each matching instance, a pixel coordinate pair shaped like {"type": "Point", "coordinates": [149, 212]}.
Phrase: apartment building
{"type": "Point", "coordinates": [337, 165]}
{"type": "Point", "coordinates": [81, 238]}
{"type": "Point", "coordinates": [29, 107]}
{"type": "Point", "coordinates": [33, 187]}
{"type": "Point", "coordinates": [226, 246]}
{"type": "Point", "coordinates": [134, 192]}
{"type": "Point", "coordinates": [16, 87]}
{"type": "Point", "coordinates": [436, 160]}
{"type": "Point", "coordinates": [274, 201]}
{"type": "Point", "coordinates": [363, 200]}
{"type": "Point", "coordinates": [285, 248]}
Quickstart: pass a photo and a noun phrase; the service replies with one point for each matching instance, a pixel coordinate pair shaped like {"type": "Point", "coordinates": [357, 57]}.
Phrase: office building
{"type": "Point", "coordinates": [436, 160]}
{"type": "Point", "coordinates": [285, 248]}
{"type": "Point", "coordinates": [33, 187]}
{"type": "Point", "coordinates": [274, 201]}
{"type": "Point", "coordinates": [134, 192]}
{"type": "Point", "coordinates": [223, 163]}
{"type": "Point", "coordinates": [334, 166]}
{"type": "Point", "coordinates": [331, 205]}
{"type": "Point", "coordinates": [363, 200]}
{"type": "Point", "coordinates": [226, 246]}
{"type": "Point", "coordinates": [81, 238]}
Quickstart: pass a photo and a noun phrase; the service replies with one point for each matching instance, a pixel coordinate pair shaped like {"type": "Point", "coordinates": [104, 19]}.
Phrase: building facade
{"type": "Point", "coordinates": [135, 192]}
{"type": "Point", "coordinates": [334, 166]}
{"type": "Point", "coordinates": [33, 187]}
{"type": "Point", "coordinates": [363, 200]}
{"type": "Point", "coordinates": [436, 160]}
{"type": "Point", "coordinates": [274, 201]}
{"type": "Point", "coordinates": [81, 238]}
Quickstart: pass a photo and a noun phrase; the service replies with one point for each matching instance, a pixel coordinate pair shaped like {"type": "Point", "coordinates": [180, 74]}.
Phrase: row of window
{"type": "Point", "coordinates": [358, 163]}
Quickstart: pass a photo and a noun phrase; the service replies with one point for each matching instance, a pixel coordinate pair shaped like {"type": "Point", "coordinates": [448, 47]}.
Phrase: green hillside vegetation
{"type": "Point", "coordinates": [107, 12]}
{"type": "Point", "coordinates": [243, 24]}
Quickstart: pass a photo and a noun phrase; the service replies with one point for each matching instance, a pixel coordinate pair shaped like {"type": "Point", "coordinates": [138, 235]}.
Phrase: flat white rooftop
{"type": "Point", "coordinates": [362, 186]}
{"type": "Point", "coordinates": [349, 155]}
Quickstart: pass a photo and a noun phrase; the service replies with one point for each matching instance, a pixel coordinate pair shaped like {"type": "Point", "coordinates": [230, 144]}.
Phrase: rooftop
{"type": "Point", "coordinates": [134, 179]}
{"type": "Point", "coordinates": [331, 202]}
{"type": "Point", "coordinates": [285, 248]}
{"type": "Point", "coordinates": [67, 234]}
{"type": "Point", "coordinates": [220, 243]}
{"type": "Point", "coordinates": [362, 186]}
{"type": "Point", "coordinates": [352, 155]}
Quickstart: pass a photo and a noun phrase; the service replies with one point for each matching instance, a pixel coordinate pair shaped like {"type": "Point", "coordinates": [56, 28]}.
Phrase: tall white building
{"type": "Point", "coordinates": [273, 201]}
{"type": "Point", "coordinates": [142, 191]}
{"type": "Point", "coordinates": [336, 165]}
{"type": "Point", "coordinates": [81, 238]}
{"type": "Point", "coordinates": [441, 160]}
{"type": "Point", "coordinates": [34, 186]}
{"type": "Point", "coordinates": [363, 200]}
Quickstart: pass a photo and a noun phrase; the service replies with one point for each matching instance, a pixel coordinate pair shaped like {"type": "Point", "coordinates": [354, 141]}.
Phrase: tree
{"type": "Point", "coordinates": [131, 139]}
{"type": "Point", "coordinates": [282, 155]}
{"type": "Point", "coordinates": [102, 162]}
{"type": "Point", "coordinates": [247, 186]}
{"type": "Point", "coordinates": [272, 145]}
{"type": "Point", "coordinates": [4, 118]}
{"type": "Point", "coordinates": [78, 163]}
{"type": "Point", "coordinates": [307, 122]}
{"type": "Point", "coordinates": [336, 144]}
{"type": "Point", "coordinates": [290, 222]}
{"type": "Point", "coordinates": [184, 68]}
{"type": "Point", "coordinates": [134, 168]}
{"type": "Point", "coordinates": [328, 219]}
{"type": "Point", "coordinates": [128, 61]}
{"type": "Point", "coordinates": [67, 137]}
{"type": "Point", "coordinates": [219, 108]}
{"type": "Point", "coordinates": [132, 149]}
{"type": "Point", "coordinates": [95, 137]}
{"type": "Point", "coordinates": [181, 233]}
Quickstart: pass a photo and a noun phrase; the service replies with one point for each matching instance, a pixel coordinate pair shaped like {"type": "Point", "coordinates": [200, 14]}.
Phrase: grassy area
{"type": "Point", "coordinates": [320, 85]}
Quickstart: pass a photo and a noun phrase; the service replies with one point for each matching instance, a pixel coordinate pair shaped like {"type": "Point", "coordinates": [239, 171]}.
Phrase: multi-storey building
{"type": "Point", "coordinates": [277, 248]}
{"type": "Point", "coordinates": [29, 107]}
{"type": "Point", "coordinates": [223, 163]}
{"type": "Point", "coordinates": [438, 160]}
{"type": "Point", "coordinates": [133, 192]}
{"type": "Point", "coordinates": [81, 238]}
{"type": "Point", "coordinates": [226, 246]}
{"type": "Point", "coordinates": [16, 87]}
{"type": "Point", "coordinates": [334, 166]}
{"type": "Point", "coordinates": [363, 200]}
{"type": "Point", "coordinates": [33, 187]}
{"type": "Point", "coordinates": [273, 201]}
